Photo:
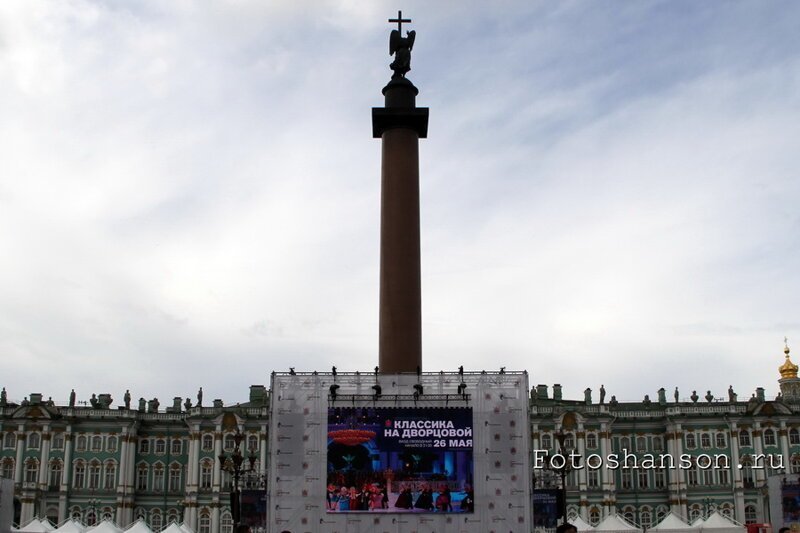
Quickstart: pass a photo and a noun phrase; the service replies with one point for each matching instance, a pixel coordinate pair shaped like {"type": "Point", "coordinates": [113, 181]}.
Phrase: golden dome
{"type": "Point", "coordinates": [788, 369]}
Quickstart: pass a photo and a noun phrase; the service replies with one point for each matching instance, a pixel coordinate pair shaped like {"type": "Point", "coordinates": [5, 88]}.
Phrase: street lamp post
{"type": "Point", "coordinates": [233, 464]}
{"type": "Point", "coordinates": [559, 471]}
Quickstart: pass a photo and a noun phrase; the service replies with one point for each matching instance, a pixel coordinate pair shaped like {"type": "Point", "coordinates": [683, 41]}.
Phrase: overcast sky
{"type": "Point", "coordinates": [189, 192]}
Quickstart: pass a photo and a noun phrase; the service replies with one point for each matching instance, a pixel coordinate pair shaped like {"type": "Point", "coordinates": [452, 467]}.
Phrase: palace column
{"type": "Point", "coordinates": [400, 125]}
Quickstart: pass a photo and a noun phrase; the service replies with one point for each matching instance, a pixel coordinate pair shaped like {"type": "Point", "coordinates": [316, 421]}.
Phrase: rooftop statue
{"type": "Point", "coordinates": [400, 47]}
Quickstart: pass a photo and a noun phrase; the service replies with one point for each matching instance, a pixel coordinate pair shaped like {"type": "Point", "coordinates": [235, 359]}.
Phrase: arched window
{"type": "Point", "coordinates": [661, 512]}
{"type": "Point", "coordinates": [252, 443]}
{"type": "Point", "coordinates": [747, 472]}
{"type": "Point", "coordinates": [744, 438]}
{"type": "Point", "coordinates": [10, 440]}
{"type": "Point", "coordinates": [226, 523]}
{"type": "Point", "coordinates": [591, 441]}
{"type": "Point", "coordinates": [108, 514]}
{"type": "Point", "coordinates": [80, 444]}
{"type": "Point", "coordinates": [52, 515]}
{"type": "Point", "coordinates": [625, 444]}
{"type": "Point", "coordinates": [206, 470]}
{"type": "Point", "coordinates": [726, 510]}
{"type": "Point", "coordinates": [31, 471]}
{"type": "Point", "coordinates": [8, 468]}
{"type": "Point", "coordinates": [161, 447]}
{"type": "Point", "coordinates": [795, 464]}
{"type": "Point", "coordinates": [694, 513]}
{"type": "Point", "coordinates": [111, 444]}
{"type": "Point", "coordinates": [144, 446]}
{"type": "Point", "coordinates": [34, 440]}
{"type": "Point", "coordinates": [76, 514]}
{"type": "Point", "coordinates": [56, 470]}
{"type": "Point", "coordinates": [769, 438]}
{"type": "Point", "coordinates": [79, 475]}
{"type": "Point", "coordinates": [110, 481]}
{"type": "Point", "coordinates": [177, 447]}
{"type": "Point", "coordinates": [97, 443]}
{"type": "Point", "coordinates": [690, 441]}
{"type": "Point", "coordinates": [627, 514]}
{"type": "Point", "coordinates": [645, 518]}
{"type": "Point", "coordinates": [58, 441]}
{"type": "Point", "coordinates": [175, 477]}
{"type": "Point", "coordinates": [547, 441]}
{"type": "Point", "coordinates": [721, 443]}
{"type": "Point", "coordinates": [641, 444]}
{"type": "Point", "coordinates": [155, 520]}
{"type": "Point", "coordinates": [705, 440]}
{"type": "Point", "coordinates": [657, 444]}
{"type": "Point", "coordinates": [794, 436]}
{"type": "Point", "coordinates": [205, 523]}
{"type": "Point", "coordinates": [228, 442]}
{"type": "Point", "coordinates": [208, 442]}
{"type": "Point", "coordinates": [158, 477]}
{"type": "Point", "coordinates": [141, 477]}
{"type": "Point", "coordinates": [594, 516]}
{"type": "Point", "coordinates": [94, 474]}
{"type": "Point", "coordinates": [140, 514]}
{"type": "Point", "coordinates": [172, 517]}
{"type": "Point", "coordinates": [91, 517]}
{"type": "Point", "coordinates": [750, 514]}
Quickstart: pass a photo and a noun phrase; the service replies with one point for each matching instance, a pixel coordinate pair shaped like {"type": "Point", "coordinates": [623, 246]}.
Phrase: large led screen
{"type": "Point", "coordinates": [400, 460]}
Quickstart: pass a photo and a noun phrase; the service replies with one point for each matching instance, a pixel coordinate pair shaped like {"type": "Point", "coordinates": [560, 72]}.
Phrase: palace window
{"type": "Point", "coordinates": [8, 468]}
{"type": "Point", "coordinates": [79, 475]}
{"type": "Point", "coordinates": [705, 440]}
{"type": "Point", "coordinates": [661, 513]}
{"type": "Point", "coordinates": [144, 446]}
{"type": "Point", "coordinates": [10, 440]}
{"type": "Point", "coordinates": [594, 516]}
{"type": "Point", "coordinates": [643, 479]}
{"type": "Point", "coordinates": [252, 443]}
{"type": "Point", "coordinates": [795, 464]}
{"type": "Point", "coordinates": [593, 479]}
{"type": "Point", "coordinates": [205, 475]}
{"type": "Point", "coordinates": [547, 442]}
{"type": "Point", "coordinates": [659, 478]}
{"type": "Point", "coordinates": [641, 444]}
{"type": "Point", "coordinates": [769, 438]}
{"type": "Point", "coordinates": [205, 523]}
{"type": "Point", "coordinates": [177, 447]}
{"type": "Point", "coordinates": [727, 510]}
{"type": "Point", "coordinates": [161, 447]}
{"type": "Point", "coordinates": [91, 518]}
{"type": "Point", "coordinates": [80, 444]}
{"type": "Point", "coordinates": [724, 476]}
{"type": "Point", "coordinates": [708, 477]}
{"type": "Point", "coordinates": [107, 514]}
{"type": "Point", "coordinates": [645, 518]}
{"type": "Point", "coordinates": [720, 437]}
{"type": "Point", "coordinates": [750, 515]}
{"type": "Point", "coordinates": [174, 478]}
{"type": "Point", "coordinates": [56, 470]}
{"type": "Point", "coordinates": [658, 444]}
{"type": "Point", "coordinates": [591, 441]}
{"type": "Point", "coordinates": [111, 476]}
{"type": "Point", "coordinates": [694, 513]}
{"type": "Point", "coordinates": [31, 471]}
{"type": "Point", "coordinates": [141, 478]}
{"type": "Point", "coordinates": [97, 443]}
{"type": "Point", "coordinates": [34, 440]}
{"type": "Point", "coordinates": [58, 441]}
{"type": "Point", "coordinates": [569, 442]}
{"type": "Point", "coordinates": [627, 479]}
{"type": "Point", "coordinates": [627, 514]}
{"type": "Point", "coordinates": [744, 438]}
{"type": "Point", "coordinates": [155, 520]}
{"type": "Point", "coordinates": [172, 517]}
{"type": "Point", "coordinates": [94, 475]}
{"type": "Point", "coordinates": [794, 437]}
{"type": "Point", "coordinates": [111, 444]}
{"type": "Point", "coordinates": [625, 444]}
{"type": "Point", "coordinates": [226, 523]}
{"type": "Point", "coordinates": [747, 473]}
{"type": "Point", "coordinates": [208, 443]}
{"type": "Point", "coordinates": [228, 442]}
{"type": "Point", "coordinates": [158, 478]}
{"type": "Point", "coordinates": [691, 476]}
{"type": "Point", "coordinates": [690, 441]}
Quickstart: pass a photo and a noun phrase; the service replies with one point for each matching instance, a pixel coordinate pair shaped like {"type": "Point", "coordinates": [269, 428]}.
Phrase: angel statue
{"type": "Point", "coordinates": [401, 48]}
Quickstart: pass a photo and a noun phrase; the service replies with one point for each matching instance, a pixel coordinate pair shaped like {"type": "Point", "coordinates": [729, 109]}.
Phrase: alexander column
{"type": "Point", "coordinates": [400, 125]}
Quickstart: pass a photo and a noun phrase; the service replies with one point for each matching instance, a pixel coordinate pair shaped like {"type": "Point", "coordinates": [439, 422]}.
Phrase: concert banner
{"type": "Point", "coordinates": [545, 508]}
{"type": "Point", "coordinates": [400, 460]}
{"type": "Point", "coordinates": [790, 500]}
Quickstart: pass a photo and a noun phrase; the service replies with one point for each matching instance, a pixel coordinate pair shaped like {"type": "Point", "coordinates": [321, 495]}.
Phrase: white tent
{"type": "Point", "coordinates": [615, 523]}
{"type": "Point", "coordinates": [674, 523]}
{"type": "Point", "coordinates": [185, 528]}
{"type": "Point", "coordinates": [716, 523]}
{"type": "Point", "coordinates": [140, 526]}
{"type": "Point", "coordinates": [698, 522]}
{"type": "Point", "coordinates": [36, 526]}
{"type": "Point", "coordinates": [70, 526]}
{"type": "Point", "coordinates": [172, 528]}
{"type": "Point", "coordinates": [106, 526]}
{"type": "Point", "coordinates": [46, 524]}
{"type": "Point", "coordinates": [580, 524]}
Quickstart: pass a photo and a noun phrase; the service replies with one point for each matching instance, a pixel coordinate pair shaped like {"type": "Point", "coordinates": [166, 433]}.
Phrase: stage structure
{"type": "Point", "coordinates": [375, 453]}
